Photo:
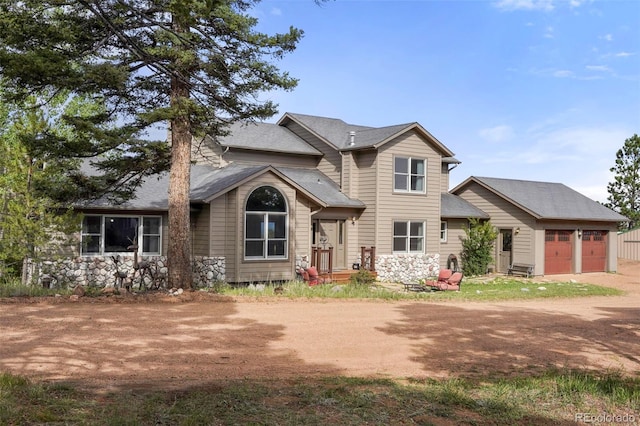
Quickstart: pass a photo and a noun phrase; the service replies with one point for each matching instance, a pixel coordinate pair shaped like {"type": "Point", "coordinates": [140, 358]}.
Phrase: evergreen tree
{"type": "Point", "coordinates": [196, 64]}
{"type": "Point", "coordinates": [624, 191]}
{"type": "Point", "coordinates": [31, 222]}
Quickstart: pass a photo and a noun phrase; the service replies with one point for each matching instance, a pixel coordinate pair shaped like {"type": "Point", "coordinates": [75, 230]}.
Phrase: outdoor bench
{"type": "Point", "coordinates": [524, 269]}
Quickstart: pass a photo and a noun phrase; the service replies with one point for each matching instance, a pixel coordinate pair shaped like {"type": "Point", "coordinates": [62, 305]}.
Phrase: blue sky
{"type": "Point", "coordinates": [526, 89]}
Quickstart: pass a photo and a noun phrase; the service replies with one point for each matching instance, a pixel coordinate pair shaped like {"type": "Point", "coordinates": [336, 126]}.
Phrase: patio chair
{"type": "Point", "coordinates": [452, 283]}
{"type": "Point", "coordinates": [443, 276]}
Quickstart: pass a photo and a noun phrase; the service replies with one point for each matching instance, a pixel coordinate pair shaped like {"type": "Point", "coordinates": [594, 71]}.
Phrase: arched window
{"type": "Point", "coordinates": [265, 235]}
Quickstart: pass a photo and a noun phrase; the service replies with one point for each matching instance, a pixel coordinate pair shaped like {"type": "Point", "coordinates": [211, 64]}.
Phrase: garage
{"type": "Point", "coordinates": [558, 252]}
{"type": "Point", "coordinates": [594, 251]}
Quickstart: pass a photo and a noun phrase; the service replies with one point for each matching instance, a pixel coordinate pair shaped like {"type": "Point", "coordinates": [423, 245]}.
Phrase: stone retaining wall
{"type": "Point", "coordinates": [100, 271]}
{"type": "Point", "coordinates": [404, 268]}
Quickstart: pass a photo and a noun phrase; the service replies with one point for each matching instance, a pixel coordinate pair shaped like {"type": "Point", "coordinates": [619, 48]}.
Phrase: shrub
{"type": "Point", "coordinates": [362, 277]}
{"type": "Point", "coordinates": [477, 247]}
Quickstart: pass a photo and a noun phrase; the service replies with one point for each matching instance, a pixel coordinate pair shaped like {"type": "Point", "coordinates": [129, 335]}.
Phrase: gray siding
{"type": "Point", "coordinates": [200, 235]}
{"type": "Point", "coordinates": [398, 206]}
{"type": "Point", "coordinates": [331, 163]}
{"type": "Point", "coordinates": [505, 215]}
{"type": "Point", "coordinates": [453, 245]}
{"type": "Point", "coordinates": [366, 164]}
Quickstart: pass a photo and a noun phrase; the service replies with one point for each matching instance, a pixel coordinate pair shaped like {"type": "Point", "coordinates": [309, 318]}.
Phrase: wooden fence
{"type": "Point", "coordinates": [629, 244]}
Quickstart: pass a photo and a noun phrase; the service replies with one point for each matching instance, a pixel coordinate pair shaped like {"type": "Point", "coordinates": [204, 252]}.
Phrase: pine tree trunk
{"type": "Point", "coordinates": [179, 247]}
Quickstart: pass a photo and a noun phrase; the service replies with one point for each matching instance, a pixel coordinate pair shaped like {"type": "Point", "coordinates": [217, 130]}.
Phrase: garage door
{"type": "Point", "coordinates": [557, 252]}
{"type": "Point", "coordinates": [594, 251]}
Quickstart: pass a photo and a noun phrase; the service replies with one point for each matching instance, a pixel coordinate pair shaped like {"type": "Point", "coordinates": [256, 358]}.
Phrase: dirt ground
{"type": "Point", "coordinates": [196, 338]}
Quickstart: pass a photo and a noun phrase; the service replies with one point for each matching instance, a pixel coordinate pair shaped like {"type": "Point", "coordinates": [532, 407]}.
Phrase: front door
{"type": "Point", "coordinates": [331, 233]}
{"type": "Point", "coordinates": [505, 242]}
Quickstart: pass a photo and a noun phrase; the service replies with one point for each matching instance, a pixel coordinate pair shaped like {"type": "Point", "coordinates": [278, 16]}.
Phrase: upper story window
{"type": "Point", "coordinates": [408, 237]}
{"type": "Point", "coordinates": [409, 174]}
{"type": "Point", "coordinates": [116, 234]}
{"type": "Point", "coordinates": [265, 225]}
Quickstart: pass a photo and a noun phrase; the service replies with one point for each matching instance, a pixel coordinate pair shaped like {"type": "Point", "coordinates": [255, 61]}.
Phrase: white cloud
{"type": "Point", "coordinates": [563, 73]}
{"type": "Point", "coordinates": [496, 134]}
{"type": "Point", "coordinates": [276, 11]}
{"type": "Point", "coordinates": [549, 32]}
{"type": "Point", "coordinates": [511, 5]}
{"type": "Point", "coordinates": [600, 68]}
{"type": "Point", "coordinates": [623, 54]}
{"type": "Point", "coordinates": [607, 37]}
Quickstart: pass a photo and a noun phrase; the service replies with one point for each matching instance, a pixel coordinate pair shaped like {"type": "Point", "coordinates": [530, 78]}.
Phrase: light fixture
{"type": "Point", "coordinates": [517, 230]}
{"type": "Point", "coordinates": [353, 220]}
{"type": "Point", "coordinates": [579, 233]}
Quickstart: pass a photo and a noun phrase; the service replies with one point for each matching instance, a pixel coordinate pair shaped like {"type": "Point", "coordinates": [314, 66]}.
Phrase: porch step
{"type": "Point", "coordinates": [342, 277]}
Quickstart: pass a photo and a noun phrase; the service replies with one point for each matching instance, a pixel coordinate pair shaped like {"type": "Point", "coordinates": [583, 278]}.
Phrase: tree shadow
{"type": "Point", "coordinates": [143, 345]}
{"type": "Point", "coordinates": [503, 342]}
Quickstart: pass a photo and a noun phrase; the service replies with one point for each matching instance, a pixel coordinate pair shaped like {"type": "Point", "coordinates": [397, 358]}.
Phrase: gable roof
{"type": "Point", "coordinates": [208, 183]}
{"type": "Point", "coordinates": [545, 200]}
{"type": "Point", "coordinates": [265, 137]}
{"type": "Point", "coordinates": [454, 207]}
{"type": "Point", "coordinates": [336, 132]}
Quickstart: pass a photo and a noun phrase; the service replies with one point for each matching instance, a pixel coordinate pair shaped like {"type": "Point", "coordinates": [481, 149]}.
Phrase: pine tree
{"type": "Point", "coordinates": [31, 222]}
{"type": "Point", "coordinates": [196, 64]}
{"type": "Point", "coordinates": [624, 191]}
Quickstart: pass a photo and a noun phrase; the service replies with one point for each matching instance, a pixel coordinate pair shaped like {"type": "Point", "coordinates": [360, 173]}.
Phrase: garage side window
{"type": "Point", "coordinates": [266, 220]}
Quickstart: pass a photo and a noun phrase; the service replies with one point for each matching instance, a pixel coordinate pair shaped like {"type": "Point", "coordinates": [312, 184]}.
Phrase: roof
{"type": "Point", "coordinates": [545, 200]}
{"type": "Point", "coordinates": [208, 182]}
{"type": "Point", "coordinates": [266, 137]}
{"type": "Point", "coordinates": [454, 207]}
{"type": "Point", "coordinates": [337, 133]}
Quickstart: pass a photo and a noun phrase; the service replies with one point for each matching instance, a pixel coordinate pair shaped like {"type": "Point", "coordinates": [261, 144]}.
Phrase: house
{"type": "Point", "coordinates": [548, 225]}
{"type": "Point", "coordinates": [269, 198]}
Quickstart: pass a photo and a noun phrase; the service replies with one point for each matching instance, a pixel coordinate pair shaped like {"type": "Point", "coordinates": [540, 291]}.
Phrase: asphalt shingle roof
{"type": "Point", "coordinates": [547, 200]}
{"type": "Point", "coordinates": [207, 182]}
{"type": "Point", "coordinates": [453, 206]}
{"type": "Point", "coordinates": [266, 137]}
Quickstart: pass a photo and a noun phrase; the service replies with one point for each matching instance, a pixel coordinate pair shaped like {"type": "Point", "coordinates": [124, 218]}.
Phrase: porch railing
{"type": "Point", "coordinates": [368, 258]}
{"type": "Point", "coordinates": [322, 259]}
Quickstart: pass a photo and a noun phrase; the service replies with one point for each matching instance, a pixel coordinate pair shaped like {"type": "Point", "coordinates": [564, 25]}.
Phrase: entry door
{"type": "Point", "coordinates": [331, 232]}
{"type": "Point", "coordinates": [505, 244]}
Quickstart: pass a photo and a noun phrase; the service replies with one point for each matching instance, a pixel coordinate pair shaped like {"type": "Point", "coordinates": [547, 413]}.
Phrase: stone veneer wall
{"type": "Point", "coordinates": [407, 267]}
{"type": "Point", "coordinates": [99, 271]}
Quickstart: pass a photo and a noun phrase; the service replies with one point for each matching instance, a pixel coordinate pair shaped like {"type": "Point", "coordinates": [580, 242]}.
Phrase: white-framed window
{"type": "Point", "coordinates": [408, 236]}
{"type": "Point", "coordinates": [109, 234]}
{"type": "Point", "coordinates": [443, 232]}
{"type": "Point", "coordinates": [266, 225]}
{"type": "Point", "coordinates": [409, 175]}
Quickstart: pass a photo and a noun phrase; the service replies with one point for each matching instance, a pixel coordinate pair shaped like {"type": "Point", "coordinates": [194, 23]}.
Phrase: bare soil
{"type": "Point", "coordinates": [159, 341]}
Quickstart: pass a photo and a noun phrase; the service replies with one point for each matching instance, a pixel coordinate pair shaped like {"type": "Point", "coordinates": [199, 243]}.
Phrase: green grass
{"type": "Point", "coordinates": [472, 290]}
{"type": "Point", "coordinates": [552, 397]}
{"type": "Point", "coordinates": [13, 288]}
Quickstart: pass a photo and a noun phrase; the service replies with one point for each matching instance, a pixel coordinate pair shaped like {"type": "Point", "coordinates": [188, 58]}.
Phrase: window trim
{"type": "Point", "coordinates": [265, 223]}
{"type": "Point", "coordinates": [408, 237]}
{"type": "Point", "coordinates": [444, 231]}
{"type": "Point", "coordinates": [409, 175]}
{"type": "Point", "coordinates": [140, 232]}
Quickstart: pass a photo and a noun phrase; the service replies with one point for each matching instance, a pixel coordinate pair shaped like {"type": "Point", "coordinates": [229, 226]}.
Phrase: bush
{"type": "Point", "coordinates": [477, 247]}
{"type": "Point", "coordinates": [362, 277]}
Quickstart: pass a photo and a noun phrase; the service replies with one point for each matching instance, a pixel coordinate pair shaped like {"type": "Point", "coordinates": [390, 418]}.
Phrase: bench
{"type": "Point", "coordinates": [414, 286]}
{"type": "Point", "coordinates": [524, 269]}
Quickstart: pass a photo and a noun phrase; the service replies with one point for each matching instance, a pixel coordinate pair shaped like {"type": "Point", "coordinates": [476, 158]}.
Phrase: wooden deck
{"type": "Point", "coordinates": [342, 277]}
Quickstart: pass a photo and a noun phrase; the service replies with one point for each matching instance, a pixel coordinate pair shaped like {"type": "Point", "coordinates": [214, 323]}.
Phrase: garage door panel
{"type": "Point", "coordinates": [558, 252]}
{"type": "Point", "coordinates": [594, 251]}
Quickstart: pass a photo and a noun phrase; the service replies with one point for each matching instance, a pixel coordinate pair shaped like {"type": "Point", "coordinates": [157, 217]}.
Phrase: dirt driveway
{"type": "Point", "coordinates": [188, 341]}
